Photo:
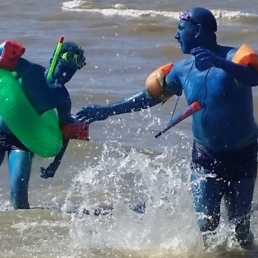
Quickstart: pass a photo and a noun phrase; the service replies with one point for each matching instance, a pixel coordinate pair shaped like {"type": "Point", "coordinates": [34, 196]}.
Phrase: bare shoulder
{"type": "Point", "coordinates": [183, 64]}
{"type": "Point", "coordinates": [231, 53]}
{"type": "Point", "coordinates": [227, 52]}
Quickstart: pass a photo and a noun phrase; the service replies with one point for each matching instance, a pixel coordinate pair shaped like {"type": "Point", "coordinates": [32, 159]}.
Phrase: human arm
{"type": "Point", "coordinates": [53, 166]}
{"type": "Point", "coordinates": [245, 75]}
{"type": "Point", "coordinates": [137, 102]}
{"type": "Point", "coordinates": [64, 115]}
{"type": "Point", "coordinates": [73, 130]}
{"type": "Point", "coordinates": [156, 92]}
{"type": "Point", "coordinates": [51, 169]}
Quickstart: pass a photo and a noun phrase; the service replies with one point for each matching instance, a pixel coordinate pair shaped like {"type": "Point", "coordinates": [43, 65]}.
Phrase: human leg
{"type": "Point", "coordinates": [2, 155]}
{"type": "Point", "coordinates": [207, 191]}
{"type": "Point", "coordinates": [19, 162]}
{"type": "Point", "coordinates": [3, 148]}
{"type": "Point", "coordinates": [238, 200]}
{"type": "Point", "coordinates": [242, 173]}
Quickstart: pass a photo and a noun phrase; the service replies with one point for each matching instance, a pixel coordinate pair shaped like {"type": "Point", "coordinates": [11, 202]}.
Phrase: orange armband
{"type": "Point", "coordinates": [246, 56]}
{"type": "Point", "coordinates": [155, 83]}
{"type": "Point", "coordinates": [75, 131]}
{"type": "Point", "coordinates": [11, 52]}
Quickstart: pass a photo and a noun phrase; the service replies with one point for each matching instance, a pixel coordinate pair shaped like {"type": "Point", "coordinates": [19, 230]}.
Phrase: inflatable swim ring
{"type": "Point", "coordinates": [39, 133]}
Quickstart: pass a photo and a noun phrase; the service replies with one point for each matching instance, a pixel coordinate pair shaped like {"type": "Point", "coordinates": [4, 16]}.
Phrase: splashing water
{"type": "Point", "coordinates": [167, 228]}
{"type": "Point", "coordinates": [121, 177]}
{"type": "Point", "coordinates": [125, 177]}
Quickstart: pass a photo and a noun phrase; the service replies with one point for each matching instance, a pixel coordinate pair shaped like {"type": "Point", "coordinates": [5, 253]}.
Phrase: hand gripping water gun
{"type": "Point", "coordinates": [194, 107]}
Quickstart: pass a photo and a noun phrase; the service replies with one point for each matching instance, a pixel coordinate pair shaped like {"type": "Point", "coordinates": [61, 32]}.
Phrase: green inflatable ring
{"type": "Point", "coordinates": [41, 134]}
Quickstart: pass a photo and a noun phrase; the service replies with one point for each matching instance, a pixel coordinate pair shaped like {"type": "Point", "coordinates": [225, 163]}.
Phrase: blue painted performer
{"type": "Point", "coordinates": [220, 79]}
{"type": "Point", "coordinates": [43, 94]}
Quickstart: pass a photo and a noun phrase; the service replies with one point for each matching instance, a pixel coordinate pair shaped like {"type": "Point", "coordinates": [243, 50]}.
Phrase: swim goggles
{"type": "Point", "coordinates": [71, 57]}
{"type": "Point", "coordinates": [187, 17]}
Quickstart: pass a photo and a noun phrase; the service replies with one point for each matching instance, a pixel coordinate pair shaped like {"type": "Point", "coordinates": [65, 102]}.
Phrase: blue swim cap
{"type": "Point", "coordinates": [202, 16]}
{"type": "Point", "coordinates": [71, 47]}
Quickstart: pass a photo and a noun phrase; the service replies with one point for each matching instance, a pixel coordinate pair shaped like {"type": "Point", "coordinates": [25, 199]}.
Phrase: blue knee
{"type": "Point", "coordinates": [207, 194]}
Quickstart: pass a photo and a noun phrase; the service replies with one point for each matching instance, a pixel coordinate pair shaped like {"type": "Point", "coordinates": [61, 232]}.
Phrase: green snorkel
{"type": "Point", "coordinates": [55, 58]}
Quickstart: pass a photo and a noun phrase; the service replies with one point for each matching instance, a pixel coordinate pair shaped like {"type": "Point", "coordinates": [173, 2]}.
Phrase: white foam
{"type": "Point", "coordinates": [121, 10]}
{"type": "Point", "coordinates": [231, 14]}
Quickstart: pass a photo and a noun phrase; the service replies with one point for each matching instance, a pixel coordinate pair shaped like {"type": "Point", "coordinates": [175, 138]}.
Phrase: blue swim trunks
{"type": "Point", "coordinates": [229, 166]}
{"type": "Point", "coordinates": [9, 142]}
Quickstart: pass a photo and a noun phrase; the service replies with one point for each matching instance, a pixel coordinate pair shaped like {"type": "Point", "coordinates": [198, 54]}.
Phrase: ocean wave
{"type": "Point", "coordinates": [122, 10]}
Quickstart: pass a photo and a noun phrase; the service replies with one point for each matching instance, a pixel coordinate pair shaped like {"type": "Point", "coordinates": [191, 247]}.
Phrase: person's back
{"type": "Point", "coordinates": [40, 95]}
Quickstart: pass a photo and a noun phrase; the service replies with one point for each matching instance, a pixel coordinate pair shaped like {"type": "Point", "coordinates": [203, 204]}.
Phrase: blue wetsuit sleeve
{"type": "Point", "coordinates": [57, 160]}
{"type": "Point", "coordinates": [64, 115]}
{"type": "Point", "coordinates": [172, 83]}
{"type": "Point", "coordinates": [64, 118]}
{"type": "Point", "coordinates": [22, 65]}
{"type": "Point", "coordinates": [137, 102]}
{"type": "Point", "coordinates": [245, 75]}
{"type": "Point", "coordinates": [242, 74]}
{"type": "Point", "coordinates": [51, 169]}
{"type": "Point", "coordinates": [64, 109]}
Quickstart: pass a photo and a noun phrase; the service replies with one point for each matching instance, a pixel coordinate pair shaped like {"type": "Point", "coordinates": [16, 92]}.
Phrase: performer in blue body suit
{"type": "Point", "coordinates": [224, 130]}
{"type": "Point", "coordinates": [43, 95]}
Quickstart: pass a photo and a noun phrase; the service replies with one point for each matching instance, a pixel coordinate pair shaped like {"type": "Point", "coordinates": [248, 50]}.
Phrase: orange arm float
{"type": "Point", "coordinates": [246, 56]}
{"type": "Point", "coordinates": [11, 53]}
{"type": "Point", "coordinates": [75, 131]}
{"type": "Point", "coordinates": [155, 83]}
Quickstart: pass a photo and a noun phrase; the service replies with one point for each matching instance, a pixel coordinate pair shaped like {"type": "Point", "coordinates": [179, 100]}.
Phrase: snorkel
{"type": "Point", "coordinates": [55, 58]}
{"type": "Point", "coordinates": [66, 60]}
